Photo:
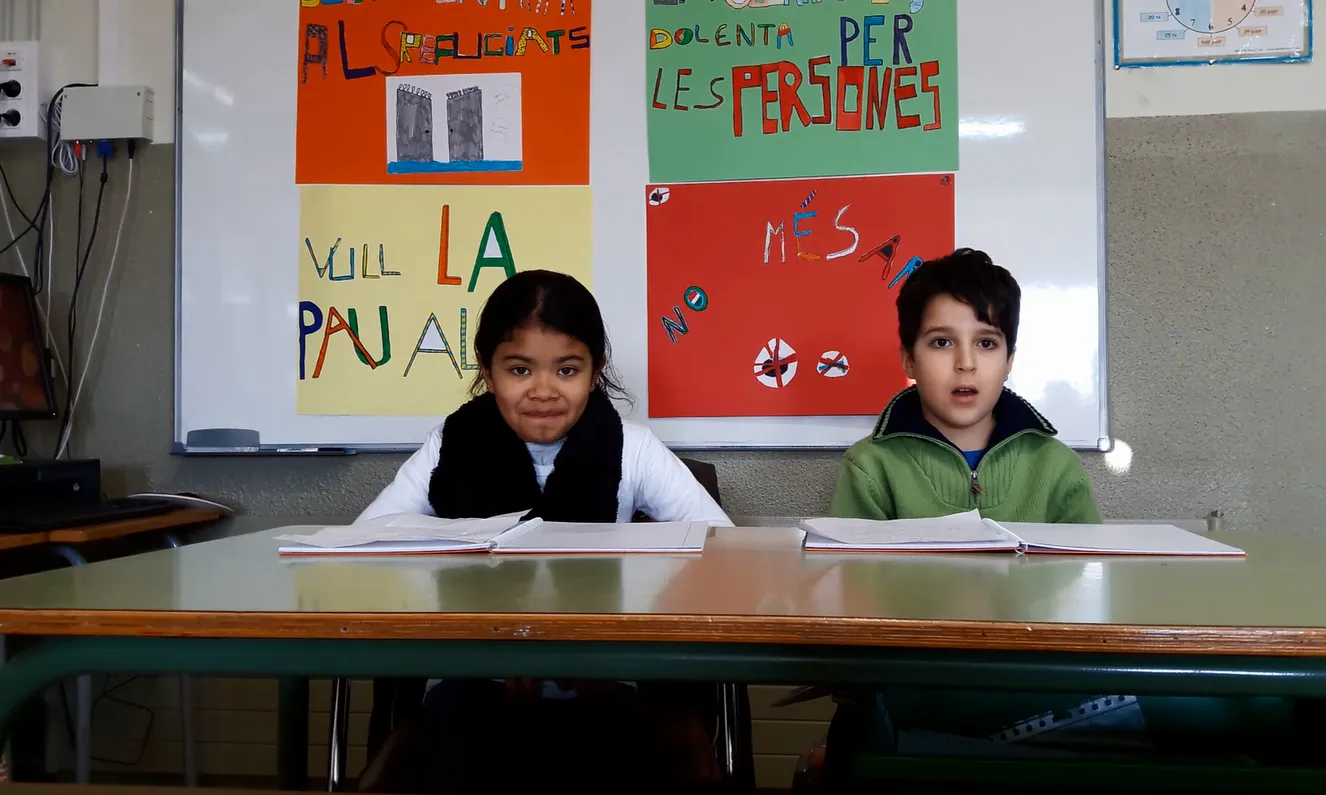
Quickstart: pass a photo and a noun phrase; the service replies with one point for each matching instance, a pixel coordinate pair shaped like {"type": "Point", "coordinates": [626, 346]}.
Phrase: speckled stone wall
{"type": "Point", "coordinates": [1217, 334]}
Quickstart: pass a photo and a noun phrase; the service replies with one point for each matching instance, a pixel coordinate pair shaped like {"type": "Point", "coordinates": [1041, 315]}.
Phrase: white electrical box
{"type": "Point", "coordinates": [21, 115]}
{"type": "Point", "coordinates": [107, 113]}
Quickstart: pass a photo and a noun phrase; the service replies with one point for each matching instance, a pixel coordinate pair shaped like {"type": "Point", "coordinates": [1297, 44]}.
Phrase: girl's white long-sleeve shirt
{"type": "Point", "coordinates": [654, 481]}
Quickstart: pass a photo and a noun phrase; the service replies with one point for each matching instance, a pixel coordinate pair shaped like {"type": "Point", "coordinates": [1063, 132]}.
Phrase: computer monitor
{"type": "Point", "coordinates": [27, 391]}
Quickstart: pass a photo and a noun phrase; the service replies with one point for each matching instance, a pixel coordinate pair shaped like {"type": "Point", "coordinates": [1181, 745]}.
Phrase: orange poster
{"type": "Point", "coordinates": [444, 92]}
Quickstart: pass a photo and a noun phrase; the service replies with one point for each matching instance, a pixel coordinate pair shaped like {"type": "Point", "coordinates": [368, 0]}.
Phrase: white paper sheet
{"type": "Point", "coordinates": [1116, 539]}
{"type": "Point", "coordinates": [959, 531]}
{"type": "Point", "coordinates": [402, 534]}
{"type": "Point", "coordinates": [538, 536]}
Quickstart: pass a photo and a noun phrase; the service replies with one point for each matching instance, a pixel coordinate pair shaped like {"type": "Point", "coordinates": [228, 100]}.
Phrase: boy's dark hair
{"type": "Point", "coordinates": [970, 276]}
{"type": "Point", "coordinates": [551, 301]}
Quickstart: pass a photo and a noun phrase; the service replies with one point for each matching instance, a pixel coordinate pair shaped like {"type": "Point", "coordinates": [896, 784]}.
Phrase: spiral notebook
{"type": "Point", "coordinates": [968, 532]}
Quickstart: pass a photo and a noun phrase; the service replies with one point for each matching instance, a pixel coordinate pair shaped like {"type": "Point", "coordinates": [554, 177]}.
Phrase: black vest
{"type": "Point", "coordinates": [484, 468]}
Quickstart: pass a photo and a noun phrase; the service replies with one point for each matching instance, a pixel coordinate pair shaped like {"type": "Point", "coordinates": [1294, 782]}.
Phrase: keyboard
{"type": "Point", "coordinates": [44, 517]}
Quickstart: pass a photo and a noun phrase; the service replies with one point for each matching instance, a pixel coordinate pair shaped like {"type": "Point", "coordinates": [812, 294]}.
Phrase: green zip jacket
{"type": "Point", "coordinates": [907, 469]}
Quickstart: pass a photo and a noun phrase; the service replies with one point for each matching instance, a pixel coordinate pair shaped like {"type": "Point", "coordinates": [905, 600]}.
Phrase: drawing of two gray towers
{"type": "Point", "coordinates": [414, 124]}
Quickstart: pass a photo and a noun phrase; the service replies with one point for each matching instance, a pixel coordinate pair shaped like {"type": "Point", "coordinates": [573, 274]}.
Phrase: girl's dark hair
{"type": "Point", "coordinates": [547, 300]}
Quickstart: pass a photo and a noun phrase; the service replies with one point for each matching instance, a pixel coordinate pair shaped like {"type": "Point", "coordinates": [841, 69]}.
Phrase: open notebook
{"type": "Point", "coordinates": [402, 534]}
{"type": "Point", "coordinates": [411, 534]}
{"type": "Point", "coordinates": [968, 532]}
{"type": "Point", "coordinates": [538, 536]}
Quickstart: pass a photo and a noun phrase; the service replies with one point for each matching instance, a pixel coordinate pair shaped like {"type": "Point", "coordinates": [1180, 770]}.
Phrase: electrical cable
{"type": "Point", "coordinates": [52, 138]}
{"type": "Point", "coordinates": [108, 694]}
{"type": "Point", "coordinates": [42, 217]}
{"type": "Point", "coordinates": [62, 153]}
{"type": "Point", "coordinates": [44, 312]}
{"type": "Point", "coordinates": [82, 254]}
{"type": "Point", "coordinates": [101, 305]}
{"type": "Point", "coordinates": [18, 442]}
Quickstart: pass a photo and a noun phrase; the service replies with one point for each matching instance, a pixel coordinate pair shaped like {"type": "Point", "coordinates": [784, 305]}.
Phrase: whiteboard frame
{"type": "Point", "coordinates": [1103, 443]}
{"type": "Point", "coordinates": [177, 444]}
{"type": "Point", "coordinates": [1106, 441]}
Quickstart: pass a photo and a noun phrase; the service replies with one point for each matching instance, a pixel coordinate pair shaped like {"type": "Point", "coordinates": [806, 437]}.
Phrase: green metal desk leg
{"type": "Point", "coordinates": [292, 734]}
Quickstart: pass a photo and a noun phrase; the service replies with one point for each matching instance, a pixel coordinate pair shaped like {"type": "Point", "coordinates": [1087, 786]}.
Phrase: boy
{"type": "Point", "coordinates": [955, 441]}
{"type": "Point", "coordinates": [958, 439]}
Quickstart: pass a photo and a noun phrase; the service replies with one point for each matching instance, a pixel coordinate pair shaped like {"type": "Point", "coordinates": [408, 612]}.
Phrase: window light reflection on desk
{"type": "Point", "coordinates": [1087, 598]}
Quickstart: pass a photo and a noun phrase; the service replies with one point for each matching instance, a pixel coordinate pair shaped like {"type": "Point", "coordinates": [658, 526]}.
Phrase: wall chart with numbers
{"type": "Point", "coordinates": [745, 185]}
{"type": "Point", "coordinates": [1190, 32]}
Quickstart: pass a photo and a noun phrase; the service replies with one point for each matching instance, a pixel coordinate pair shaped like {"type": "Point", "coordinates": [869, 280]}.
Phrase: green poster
{"type": "Point", "coordinates": [753, 89]}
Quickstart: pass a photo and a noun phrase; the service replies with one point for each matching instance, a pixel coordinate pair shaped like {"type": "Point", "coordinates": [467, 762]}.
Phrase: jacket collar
{"type": "Point", "coordinates": [1012, 414]}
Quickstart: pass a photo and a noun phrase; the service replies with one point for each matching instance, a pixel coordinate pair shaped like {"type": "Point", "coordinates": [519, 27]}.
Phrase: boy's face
{"type": "Point", "coordinates": [959, 365]}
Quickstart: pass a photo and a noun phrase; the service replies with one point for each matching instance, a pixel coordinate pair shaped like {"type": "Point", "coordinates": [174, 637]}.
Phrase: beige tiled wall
{"type": "Point", "coordinates": [235, 729]}
{"type": "Point", "coordinates": [782, 734]}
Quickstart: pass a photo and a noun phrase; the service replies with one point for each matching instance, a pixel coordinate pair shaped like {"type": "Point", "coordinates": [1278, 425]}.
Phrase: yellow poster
{"type": "Point", "coordinates": [392, 280]}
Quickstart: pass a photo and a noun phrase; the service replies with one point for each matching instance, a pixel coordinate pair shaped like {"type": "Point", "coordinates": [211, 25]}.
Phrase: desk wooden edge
{"type": "Point", "coordinates": [20, 540]}
{"type": "Point", "coordinates": [48, 788]}
{"type": "Point", "coordinates": [636, 628]}
{"type": "Point", "coordinates": [179, 518]}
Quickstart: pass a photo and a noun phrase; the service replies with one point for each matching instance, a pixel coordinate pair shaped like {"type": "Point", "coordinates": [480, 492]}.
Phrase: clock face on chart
{"type": "Point", "coordinates": [1210, 16]}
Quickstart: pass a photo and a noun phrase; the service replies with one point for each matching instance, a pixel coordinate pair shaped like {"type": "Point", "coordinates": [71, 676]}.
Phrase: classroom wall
{"type": "Point", "coordinates": [1215, 286]}
{"type": "Point", "coordinates": [1183, 465]}
{"type": "Point", "coordinates": [1216, 277]}
{"type": "Point", "coordinates": [130, 41]}
{"type": "Point", "coordinates": [1215, 230]}
{"type": "Point", "coordinates": [1203, 91]}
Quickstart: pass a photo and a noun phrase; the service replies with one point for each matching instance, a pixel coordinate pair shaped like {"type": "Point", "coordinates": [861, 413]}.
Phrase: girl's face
{"type": "Point", "coordinates": [542, 380]}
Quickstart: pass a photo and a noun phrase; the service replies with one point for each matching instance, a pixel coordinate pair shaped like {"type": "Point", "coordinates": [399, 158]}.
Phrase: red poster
{"type": "Point", "coordinates": [776, 298]}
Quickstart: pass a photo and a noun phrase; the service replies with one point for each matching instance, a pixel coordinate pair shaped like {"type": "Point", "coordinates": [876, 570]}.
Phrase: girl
{"type": "Point", "coordinates": [541, 436]}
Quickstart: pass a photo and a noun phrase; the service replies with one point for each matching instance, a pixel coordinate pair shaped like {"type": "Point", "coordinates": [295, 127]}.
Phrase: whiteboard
{"type": "Point", "coordinates": [1030, 192]}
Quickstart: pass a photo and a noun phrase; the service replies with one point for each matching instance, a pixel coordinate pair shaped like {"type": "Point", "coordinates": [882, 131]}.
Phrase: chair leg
{"type": "Point", "coordinates": [735, 754]}
{"type": "Point", "coordinates": [186, 731]}
{"type": "Point", "coordinates": [83, 729]}
{"type": "Point", "coordinates": [186, 704]}
{"type": "Point", "coordinates": [339, 739]}
{"type": "Point", "coordinates": [82, 696]}
{"type": "Point", "coordinates": [292, 734]}
{"type": "Point", "coordinates": [727, 759]}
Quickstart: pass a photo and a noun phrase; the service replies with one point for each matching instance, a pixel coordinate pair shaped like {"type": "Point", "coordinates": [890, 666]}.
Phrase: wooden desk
{"type": "Point", "coordinates": [66, 543]}
{"type": "Point", "coordinates": [24, 788]}
{"type": "Point", "coordinates": [752, 585]}
{"type": "Point", "coordinates": [20, 540]}
{"type": "Point", "coordinates": [175, 520]}
{"type": "Point", "coordinates": [752, 608]}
